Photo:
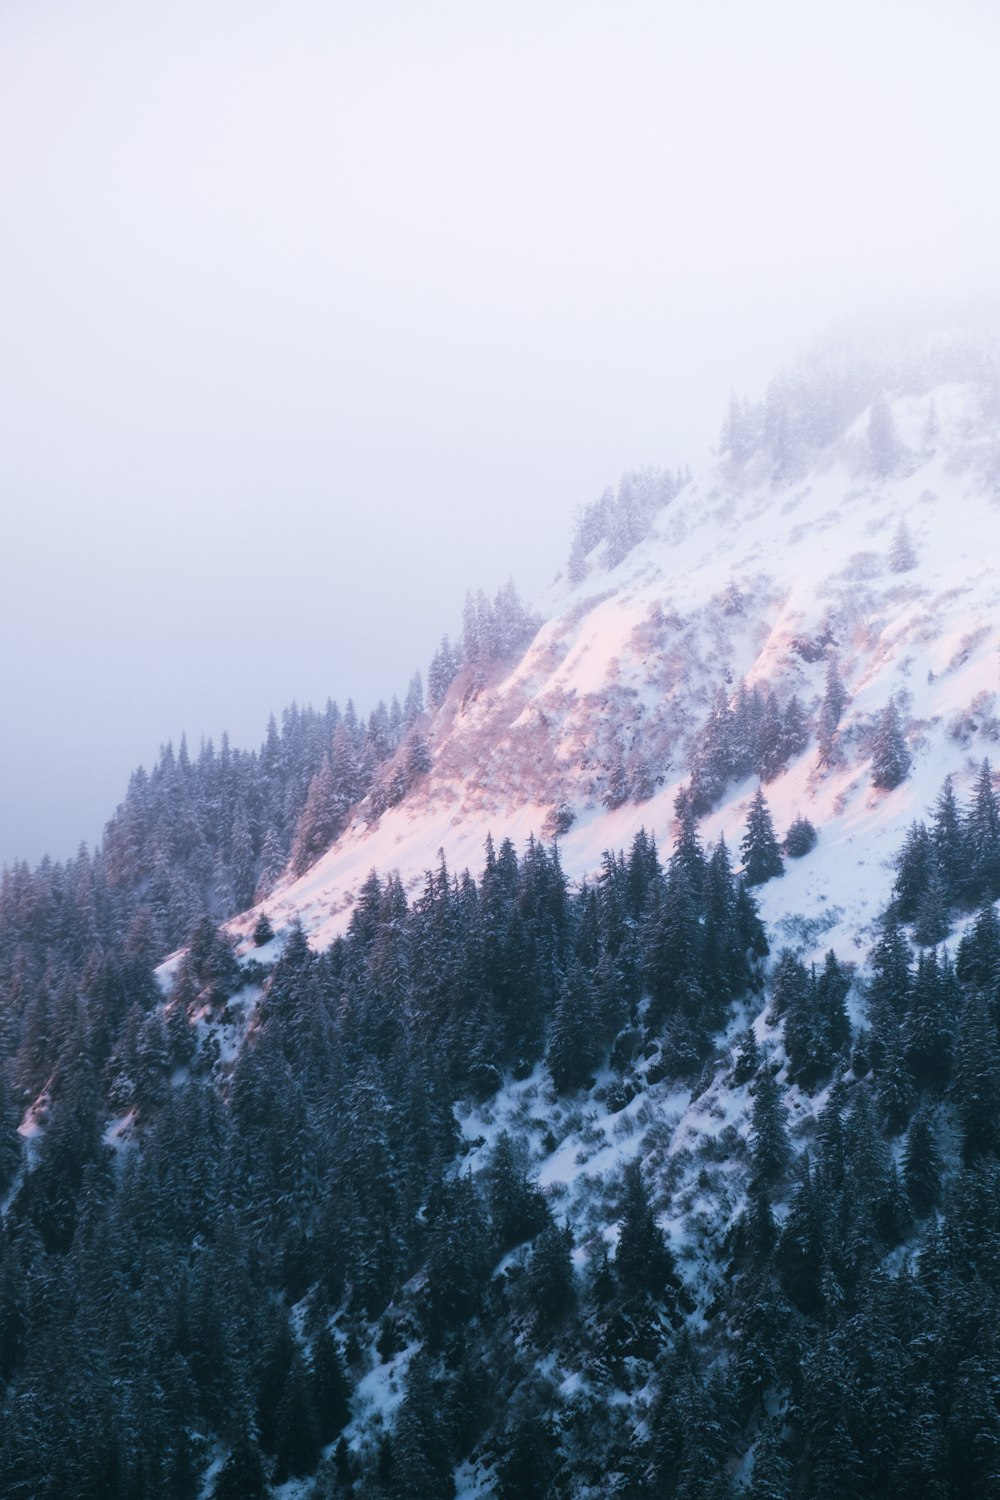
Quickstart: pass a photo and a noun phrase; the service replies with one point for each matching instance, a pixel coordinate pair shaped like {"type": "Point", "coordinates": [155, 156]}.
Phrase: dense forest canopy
{"type": "Point", "coordinates": [204, 1251]}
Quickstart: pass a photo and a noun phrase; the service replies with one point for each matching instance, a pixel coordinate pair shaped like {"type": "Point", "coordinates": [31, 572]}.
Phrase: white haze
{"type": "Point", "coordinates": [315, 315]}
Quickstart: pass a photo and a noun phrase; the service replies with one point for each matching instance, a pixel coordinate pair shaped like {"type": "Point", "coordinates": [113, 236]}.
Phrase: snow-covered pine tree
{"type": "Point", "coordinates": [890, 757]}
{"type": "Point", "coordinates": [835, 700]}
{"type": "Point", "coordinates": [800, 838]}
{"type": "Point", "coordinates": [444, 665]}
{"type": "Point", "coordinates": [902, 553]}
{"type": "Point", "coordinates": [759, 846]}
{"type": "Point", "coordinates": [413, 705]}
{"type": "Point", "coordinates": [770, 1149]}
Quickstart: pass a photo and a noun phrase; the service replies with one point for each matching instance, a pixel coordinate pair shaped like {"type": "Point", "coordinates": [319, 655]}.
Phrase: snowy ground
{"type": "Point", "coordinates": [737, 575]}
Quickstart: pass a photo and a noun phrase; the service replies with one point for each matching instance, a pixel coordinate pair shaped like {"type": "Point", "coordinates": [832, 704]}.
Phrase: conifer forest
{"type": "Point", "coordinates": [204, 1252]}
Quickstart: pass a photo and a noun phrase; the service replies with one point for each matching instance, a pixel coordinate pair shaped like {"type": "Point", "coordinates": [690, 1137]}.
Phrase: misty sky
{"type": "Point", "coordinates": [313, 315]}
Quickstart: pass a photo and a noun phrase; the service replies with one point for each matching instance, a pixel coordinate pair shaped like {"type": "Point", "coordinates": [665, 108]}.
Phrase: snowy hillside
{"type": "Point", "coordinates": [586, 1173]}
{"type": "Point", "coordinates": [743, 579]}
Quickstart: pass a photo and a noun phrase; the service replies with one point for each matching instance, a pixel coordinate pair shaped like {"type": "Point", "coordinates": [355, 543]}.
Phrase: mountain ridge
{"type": "Point", "coordinates": [738, 581]}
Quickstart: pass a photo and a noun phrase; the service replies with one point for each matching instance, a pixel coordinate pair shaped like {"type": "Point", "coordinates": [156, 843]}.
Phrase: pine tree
{"type": "Point", "coordinates": [977, 962]}
{"type": "Point", "coordinates": [771, 1478]}
{"type": "Point", "coordinates": [914, 865]}
{"type": "Point", "coordinates": [976, 1084]}
{"type": "Point", "coordinates": [516, 1206]}
{"type": "Point", "coordinates": [931, 925]}
{"type": "Point", "coordinates": [318, 824]}
{"type": "Point", "coordinates": [800, 838]}
{"type": "Point", "coordinates": [922, 1165]}
{"type": "Point", "coordinates": [413, 707]}
{"type": "Point", "coordinates": [890, 757]}
{"type": "Point", "coordinates": [778, 432]}
{"type": "Point", "coordinates": [263, 932]}
{"type": "Point", "coordinates": [928, 1027]}
{"type": "Point", "coordinates": [423, 1465]}
{"type": "Point", "coordinates": [902, 553]}
{"type": "Point", "coordinates": [890, 967]}
{"type": "Point", "coordinates": [296, 1443]}
{"type": "Point", "coordinates": [893, 1083]}
{"type": "Point", "coordinates": [761, 855]}
{"type": "Point", "coordinates": [982, 839]}
{"type": "Point", "coordinates": [808, 1039]}
{"type": "Point", "coordinates": [529, 1460]}
{"type": "Point", "coordinates": [242, 1475]}
{"type": "Point", "coordinates": [770, 1149]}
{"type": "Point", "coordinates": [550, 1280]}
{"type": "Point", "coordinates": [575, 1042]}
{"type": "Point", "coordinates": [831, 996]}
{"type": "Point", "coordinates": [418, 757]}
{"type": "Point", "coordinates": [835, 700]}
{"type": "Point", "coordinates": [748, 1057]}
{"type": "Point", "coordinates": [329, 1389]}
{"type": "Point", "coordinates": [643, 1261]}
{"type": "Point", "coordinates": [10, 1142]}
{"type": "Point", "coordinates": [949, 843]}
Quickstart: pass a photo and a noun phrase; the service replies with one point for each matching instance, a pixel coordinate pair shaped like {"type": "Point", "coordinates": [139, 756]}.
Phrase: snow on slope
{"type": "Point", "coordinates": [742, 577]}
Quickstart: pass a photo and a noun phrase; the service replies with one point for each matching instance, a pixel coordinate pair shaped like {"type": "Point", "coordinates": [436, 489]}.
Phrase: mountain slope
{"type": "Point", "coordinates": [742, 579]}
{"type": "Point", "coordinates": [525, 1187]}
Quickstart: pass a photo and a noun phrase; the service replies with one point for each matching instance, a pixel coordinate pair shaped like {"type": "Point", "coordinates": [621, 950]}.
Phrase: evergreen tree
{"type": "Point", "coordinates": [976, 1084]}
{"type": "Point", "coordinates": [902, 553]}
{"type": "Point", "coordinates": [800, 838]}
{"type": "Point", "coordinates": [761, 855]}
{"type": "Point", "coordinates": [915, 864]}
{"type": "Point", "coordinates": [982, 839]}
{"type": "Point", "coordinates": [835, 700]}
{"type": "Point", "coordinates": [928, 1028]}
{"type": "Point", "coordinates": [529, 1457]}
{"type": "Point", "coordinates": [930, 924]}
{"type": "Point", "coordinates": [643, 1260]}
{"type": "Point", "coordinates": [418, 757]}
{"type": "Point", "coordinates": [516, 1206]}
{"type": "Point", "coordinates": [802, 1250]}
{"type": "Point", "coordinates": [748, 1058]}
{"type": "Point", "coordinates": [423, 1465]}
{"type": "Point", "coordinates": [413, 706]}
{"type": "Point", "coordinates": [770, 1150]}
{"type": "Point", "coordinates": [551, 1282]}
{"type": "Point", "coordinates": [949, 843]}
{"type": "Point", "coordinates": [736, 438]}
{"type": "Point", "coordinates": [242, 1475]}
{"type": "Point", "coordinates": [977, 963]}
{"type": "Point", "coordinates": [922, 1165]}
{"type": "Point", "coordinates": [893, 1083]}
{"type": "Point", "coordinates": [890, 967]}
{"type": "Point", "coordinates": [890, 757]}
{"type": "Point", "coordinates": [574, 1048]}
{"type": "Point", "coordinates": [771, 1478]}
{"type": "Point", "coordinates": [296, 1442]}
{"type": "Point", "coordinates": [329, 1388]}
{"type": "Point", "coordinates": [441, 673]}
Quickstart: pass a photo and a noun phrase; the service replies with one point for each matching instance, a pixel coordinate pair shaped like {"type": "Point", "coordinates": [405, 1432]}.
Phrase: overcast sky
{"type": "Point", "coordinates": [314, 315]}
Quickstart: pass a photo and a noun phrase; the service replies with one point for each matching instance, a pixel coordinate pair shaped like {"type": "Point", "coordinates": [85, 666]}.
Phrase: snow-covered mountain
{"type": "Point", "coordinates": [743, 579]}
{"type": "Point", "coordinates": [525, 1190]}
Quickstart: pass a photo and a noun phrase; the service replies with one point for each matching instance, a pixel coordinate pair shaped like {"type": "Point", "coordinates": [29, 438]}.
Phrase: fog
{"type": "Point", "coordinates": [315, 315]}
